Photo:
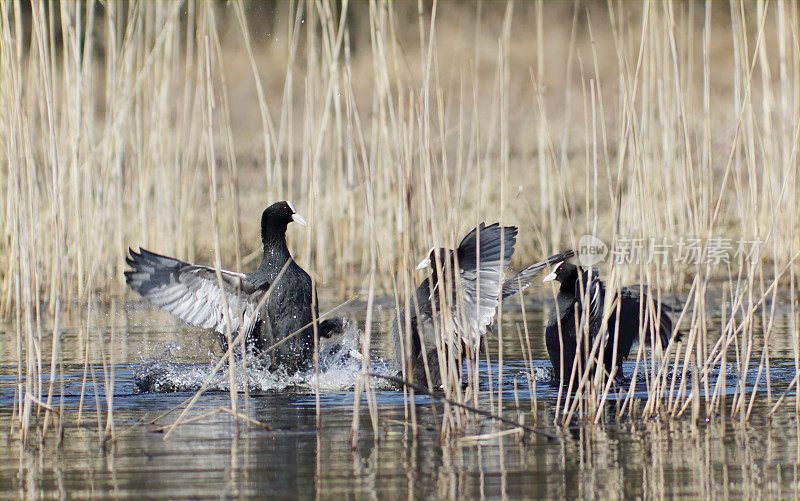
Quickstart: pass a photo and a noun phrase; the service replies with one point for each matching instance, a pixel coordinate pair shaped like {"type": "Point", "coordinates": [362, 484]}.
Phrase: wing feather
{"type": "Point", "coordinates": [193, 293]}
{"type": "Point", "coordinates": [523, 279]}
{"type": "Point", "coordinates": [483, 256]}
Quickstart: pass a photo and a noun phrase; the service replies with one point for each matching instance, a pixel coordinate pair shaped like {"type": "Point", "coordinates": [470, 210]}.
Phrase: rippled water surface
{"type": "Point", "coordinates": [304, 446]}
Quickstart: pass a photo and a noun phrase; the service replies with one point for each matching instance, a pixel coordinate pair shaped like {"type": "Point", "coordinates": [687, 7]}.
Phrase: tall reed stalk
{"type": "Point", "coordinates": [395, 127]}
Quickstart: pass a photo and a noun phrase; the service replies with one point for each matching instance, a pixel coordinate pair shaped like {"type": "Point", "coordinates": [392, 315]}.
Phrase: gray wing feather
{"type": "Point", "coordinates": [481, 276]}
{"type": "Point", "coordinates": [192, 292]}
{"type": "Point", "coordinates": [523, 279]}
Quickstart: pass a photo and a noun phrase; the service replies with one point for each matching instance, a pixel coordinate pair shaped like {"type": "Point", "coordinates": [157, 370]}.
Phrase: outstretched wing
{"type": "Point", "coordinates": [193, 293]}
{"type": "Point", "coordinates": [523, 279]}
{"type": "Point", "coordinates": [483, 255]}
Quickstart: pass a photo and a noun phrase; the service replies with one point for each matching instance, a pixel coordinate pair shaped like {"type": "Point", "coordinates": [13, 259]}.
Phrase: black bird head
{"type": "Point", "coordinates": [563, 272]}
{"type": "Point", "coordinates": [276, 218]}
{"type": "Point", "coordinates": [443, 257]}
{"type": "Point", "coordinates": [573, 278]}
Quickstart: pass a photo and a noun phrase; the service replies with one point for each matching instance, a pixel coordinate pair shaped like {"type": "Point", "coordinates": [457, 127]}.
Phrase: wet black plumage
{"type": "Point", "coordinates": [582, 290]}
{"type": "Point", "coordinates": [273, 302]}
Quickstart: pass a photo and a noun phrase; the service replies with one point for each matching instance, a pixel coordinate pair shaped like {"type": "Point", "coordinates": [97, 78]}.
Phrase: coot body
{"type": "Point", "coordinates": [270, 305]}
{"type": "Point", "coordinates": [452, 307]}
{"type": "Point", "coordinates": [580, 299]}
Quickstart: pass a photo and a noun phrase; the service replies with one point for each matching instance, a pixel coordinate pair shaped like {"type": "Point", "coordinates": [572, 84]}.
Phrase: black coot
{"type": "Point", "coordinates": [453, 309]}
{"type": "Point", "coordinates": [567, 315]}
{"type": "Point", "coordinates": [194, 294]}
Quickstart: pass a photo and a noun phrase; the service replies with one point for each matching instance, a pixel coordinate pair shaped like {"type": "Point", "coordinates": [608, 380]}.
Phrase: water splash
{"type": "Point", "coordinates": [340, 363]}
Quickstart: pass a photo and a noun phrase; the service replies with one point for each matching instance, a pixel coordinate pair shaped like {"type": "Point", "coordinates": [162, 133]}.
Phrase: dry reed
{"type": "Point", "coordinates": [396, 127]}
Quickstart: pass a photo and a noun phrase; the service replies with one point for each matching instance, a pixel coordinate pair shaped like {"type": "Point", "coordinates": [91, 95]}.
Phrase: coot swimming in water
{"type": "Point", "coordinates": [560, 334]}
{"type": "Point", "coordinates": [194, 294]}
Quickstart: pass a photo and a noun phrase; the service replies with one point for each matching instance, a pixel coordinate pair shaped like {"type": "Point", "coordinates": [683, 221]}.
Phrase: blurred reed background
{"type": "Point", "coordinates": [394, 127]}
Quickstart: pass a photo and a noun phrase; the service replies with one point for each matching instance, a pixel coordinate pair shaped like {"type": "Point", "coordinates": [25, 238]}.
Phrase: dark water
{"type": "Point", "coordinates": [307, 451]}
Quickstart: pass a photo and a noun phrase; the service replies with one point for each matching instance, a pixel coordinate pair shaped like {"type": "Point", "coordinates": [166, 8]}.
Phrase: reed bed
{"type": "Point", "coordinates": [396, 127]}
